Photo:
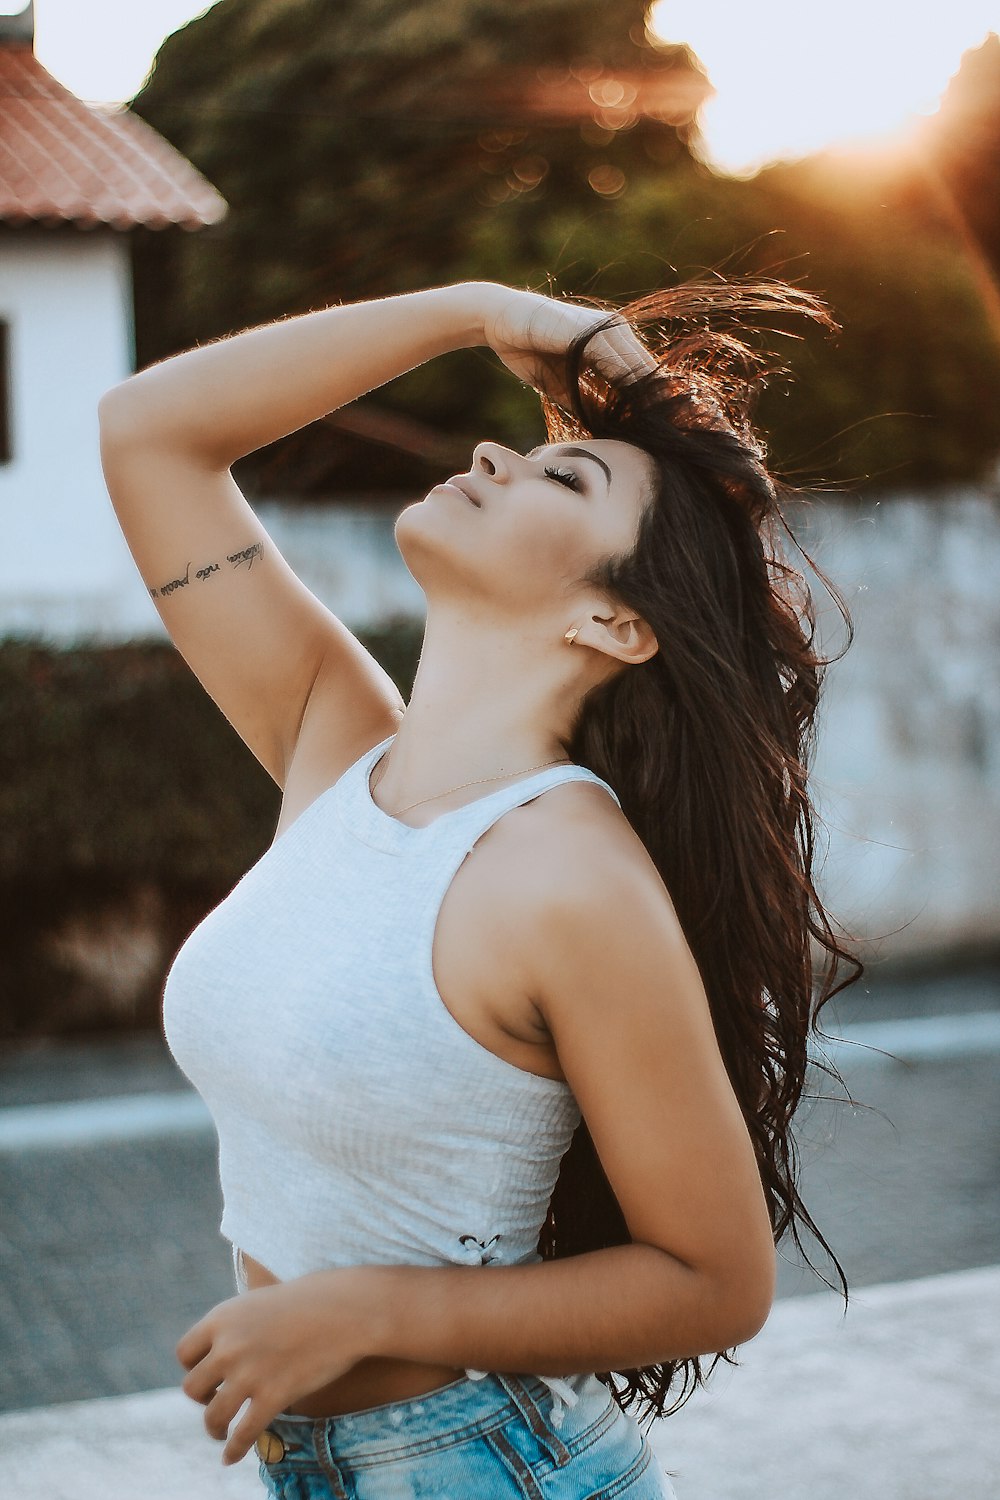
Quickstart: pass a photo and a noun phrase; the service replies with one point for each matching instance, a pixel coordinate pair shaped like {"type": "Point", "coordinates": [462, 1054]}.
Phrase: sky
{"type": "Point", "coordinates": [791, 76]}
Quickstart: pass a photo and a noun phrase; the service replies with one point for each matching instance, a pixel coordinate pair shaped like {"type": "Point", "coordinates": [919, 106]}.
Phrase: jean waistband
{"type": "Point", "coordinates": [463, 1407]}
{"type": "Point", "coordinates": [563, 1392]}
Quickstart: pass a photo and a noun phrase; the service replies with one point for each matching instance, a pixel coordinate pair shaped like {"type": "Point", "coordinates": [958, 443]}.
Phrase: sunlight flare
{"type": "Point", "coordinates": [791, 79]}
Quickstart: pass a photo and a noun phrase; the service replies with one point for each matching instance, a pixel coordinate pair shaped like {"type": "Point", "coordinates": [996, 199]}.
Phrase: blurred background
{"type": "Point", "coordinates": [169, 174]}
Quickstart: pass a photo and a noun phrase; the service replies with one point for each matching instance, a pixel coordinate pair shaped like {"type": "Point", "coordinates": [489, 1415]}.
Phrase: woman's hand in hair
{"type": "Point", "coordinates": [531, 334]}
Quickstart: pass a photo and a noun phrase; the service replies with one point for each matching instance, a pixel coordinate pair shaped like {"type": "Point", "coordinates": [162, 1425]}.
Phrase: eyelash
{"type": "Point", "coordinates": [564, 476]}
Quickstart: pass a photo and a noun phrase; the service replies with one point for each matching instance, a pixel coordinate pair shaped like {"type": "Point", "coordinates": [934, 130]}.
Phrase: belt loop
{"type": "Point", "coordinates": [532, 1412]}
{"type": "Point", "coordinates": [323, 1428]}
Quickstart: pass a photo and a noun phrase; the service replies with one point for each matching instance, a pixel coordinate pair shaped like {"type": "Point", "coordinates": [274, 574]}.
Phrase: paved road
{"type": "Point", "coordinates": [108, 1252]}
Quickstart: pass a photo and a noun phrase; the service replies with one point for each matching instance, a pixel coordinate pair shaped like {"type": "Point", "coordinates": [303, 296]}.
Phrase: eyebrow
{"type": "Point", "coordinates": [572, 452]}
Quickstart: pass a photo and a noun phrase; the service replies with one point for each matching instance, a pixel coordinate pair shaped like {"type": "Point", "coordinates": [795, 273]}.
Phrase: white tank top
{"type": "Point", "coordinates": [358, 1122]}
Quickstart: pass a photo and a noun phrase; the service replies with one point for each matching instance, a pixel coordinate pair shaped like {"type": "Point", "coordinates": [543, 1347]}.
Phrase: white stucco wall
{"type": "Point", "coordinates": [906, 773]}
{"type": "Point", "coordinates": [347, 553]}
{"type": "Point", "coordinates": [64, 565]}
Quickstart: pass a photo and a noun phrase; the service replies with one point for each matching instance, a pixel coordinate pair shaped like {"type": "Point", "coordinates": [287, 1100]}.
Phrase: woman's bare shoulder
{"type": "Point", "coordinates": [572, 838]}
{"type": "Point", "coordinates": [576, 814]}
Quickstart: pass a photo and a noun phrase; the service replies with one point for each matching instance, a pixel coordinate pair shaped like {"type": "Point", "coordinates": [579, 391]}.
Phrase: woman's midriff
{"type": "Point", "coordinates": [371, 1382]}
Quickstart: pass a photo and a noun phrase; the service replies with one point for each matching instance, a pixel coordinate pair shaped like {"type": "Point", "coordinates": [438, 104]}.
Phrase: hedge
{"type": "Point", "coordinates": [121, 781]}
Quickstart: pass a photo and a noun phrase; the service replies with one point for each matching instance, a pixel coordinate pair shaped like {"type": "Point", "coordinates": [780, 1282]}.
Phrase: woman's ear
{"type": "Point", "coordinates": [625, 636]}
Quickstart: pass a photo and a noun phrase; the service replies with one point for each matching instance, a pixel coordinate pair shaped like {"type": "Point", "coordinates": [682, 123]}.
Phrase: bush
{"type": "Point", "coordinates": [128, 808]}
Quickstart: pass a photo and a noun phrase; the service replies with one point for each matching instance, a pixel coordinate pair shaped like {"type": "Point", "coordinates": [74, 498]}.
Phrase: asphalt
{"type": "Point", "coordinates": [109, 1243]}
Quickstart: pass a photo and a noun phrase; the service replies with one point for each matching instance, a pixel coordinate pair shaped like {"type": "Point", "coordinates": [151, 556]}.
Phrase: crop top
{"type": "Point", "coordinates": [358, 1122]}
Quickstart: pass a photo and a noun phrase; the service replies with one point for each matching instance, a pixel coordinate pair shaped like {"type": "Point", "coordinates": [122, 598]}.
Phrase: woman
{"type": "Point", "coordinates": [401, 1044]}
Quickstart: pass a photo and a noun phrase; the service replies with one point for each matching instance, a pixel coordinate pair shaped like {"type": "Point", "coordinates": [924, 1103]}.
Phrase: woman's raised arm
{"type": "Point", "coordinates": [222, 400]}
{"type": "Point", "coordinates": [256, 638]}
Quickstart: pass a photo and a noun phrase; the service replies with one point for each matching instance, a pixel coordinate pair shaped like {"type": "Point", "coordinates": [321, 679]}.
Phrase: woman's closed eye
{"type": "Point", "coordinates": [564, 476]}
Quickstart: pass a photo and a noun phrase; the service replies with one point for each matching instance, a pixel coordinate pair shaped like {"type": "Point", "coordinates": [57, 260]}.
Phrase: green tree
{"type": "Point", "coordinates": [907, 393]}
{"type": "Point", "coordinates": [376, 146]}
{"type": "Point", "coordinates": [964, 147]}
{"type": "Point", "coordinates": [380, 145]}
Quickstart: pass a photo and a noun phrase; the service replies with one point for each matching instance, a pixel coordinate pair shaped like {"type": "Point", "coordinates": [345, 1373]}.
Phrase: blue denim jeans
{"type": "Point", "coordinates": [489, 1439]}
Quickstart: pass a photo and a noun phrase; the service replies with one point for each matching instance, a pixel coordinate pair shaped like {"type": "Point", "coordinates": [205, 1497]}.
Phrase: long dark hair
{"type": "Point", "coordinates": [708, 742]}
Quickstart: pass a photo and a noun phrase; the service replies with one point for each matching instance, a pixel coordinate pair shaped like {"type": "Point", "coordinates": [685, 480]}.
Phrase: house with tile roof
{"type": "Point", "coordinates": [75, 179]}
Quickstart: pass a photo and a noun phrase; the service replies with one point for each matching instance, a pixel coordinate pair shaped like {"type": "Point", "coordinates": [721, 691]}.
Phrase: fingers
{"type": "Point", "coordinates": [613, 347]}
{"type": "Point", "coordinates": [231, 1396]}
{"type": "Point", "coordinates": [223, 1407]}
{"type": "Point", "coordinates": [248, 1429]}
{"type": "Point", "coordinates": [618, 354]}
{"type": "Point", "coordinates": [202, 1382]}
{"type": "Point", "coordinates": [194, 1345]}
{"type": "Point", "coordinates": [537, 331]}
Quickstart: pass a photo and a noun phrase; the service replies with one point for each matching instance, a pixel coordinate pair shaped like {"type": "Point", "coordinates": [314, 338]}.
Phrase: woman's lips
{"type": "Point", "coordinates": [452, 484]}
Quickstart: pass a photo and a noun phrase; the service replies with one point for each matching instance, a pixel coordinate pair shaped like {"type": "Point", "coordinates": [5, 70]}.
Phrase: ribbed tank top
{"type": "Point", "coordinates": [358, 1122]}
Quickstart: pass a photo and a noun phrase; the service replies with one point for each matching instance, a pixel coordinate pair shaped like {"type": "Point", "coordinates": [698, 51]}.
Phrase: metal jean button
{"type": "Point", "coordinates": [270, 1447]}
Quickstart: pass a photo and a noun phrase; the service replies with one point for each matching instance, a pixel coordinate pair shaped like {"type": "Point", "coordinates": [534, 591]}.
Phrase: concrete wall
{"type": "Point", "coordinates": [906, 775]}
{"type": "Point", "coordinates": [347, 554]}
{"type": "Point", "coordinates": [907, 771]}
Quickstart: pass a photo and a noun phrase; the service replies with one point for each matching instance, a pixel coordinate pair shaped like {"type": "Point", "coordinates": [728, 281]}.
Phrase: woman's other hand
{"type": "Point", "coordinates": [531, 334]}
{"type": "Point", "coordinates": [275, 1345]}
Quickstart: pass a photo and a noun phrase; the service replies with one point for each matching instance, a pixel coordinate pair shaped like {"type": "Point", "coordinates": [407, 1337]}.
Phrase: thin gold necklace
{"type": "Point", "coordinates": [566, 761]}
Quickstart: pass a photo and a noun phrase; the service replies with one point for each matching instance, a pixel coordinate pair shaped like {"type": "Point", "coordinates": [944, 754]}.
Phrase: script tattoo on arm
{"type": "Point", "coordinates": [237, 559]}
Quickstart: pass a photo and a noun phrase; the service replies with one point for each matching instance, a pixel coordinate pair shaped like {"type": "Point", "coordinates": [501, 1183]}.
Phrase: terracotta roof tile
{"type": "Point", "coordinates": [63, 161]}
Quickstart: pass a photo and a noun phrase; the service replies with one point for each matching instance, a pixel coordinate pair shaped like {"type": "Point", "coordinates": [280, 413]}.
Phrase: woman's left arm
{"type": "Point", "coordinates": [620, 991]}
{"type": "Point", "coordinates": [613, 1309]}
{"type": "Point", "coordinates": [622, 996]}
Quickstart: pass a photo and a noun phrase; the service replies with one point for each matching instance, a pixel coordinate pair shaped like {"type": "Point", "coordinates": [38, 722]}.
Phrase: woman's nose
{"type": "Point", "coordinates": [489, 458]}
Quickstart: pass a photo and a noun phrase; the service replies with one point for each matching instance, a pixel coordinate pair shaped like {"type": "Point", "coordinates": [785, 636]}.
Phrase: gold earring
{"type": "Point", "coordinates": [571, 635]}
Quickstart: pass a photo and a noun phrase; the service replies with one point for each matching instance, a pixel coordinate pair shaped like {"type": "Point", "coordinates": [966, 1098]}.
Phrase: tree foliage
{"type": "Point", "coordinates": [377, 146]}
